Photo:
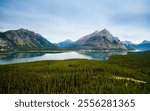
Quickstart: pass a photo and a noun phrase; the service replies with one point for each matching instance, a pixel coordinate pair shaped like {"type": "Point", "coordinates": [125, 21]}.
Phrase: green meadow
{"type": "Point", "coordinates": [129, 74]}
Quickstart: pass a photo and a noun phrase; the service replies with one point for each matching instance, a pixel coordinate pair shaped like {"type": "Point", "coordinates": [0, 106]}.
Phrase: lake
{"type": "Point", "coordinates": [19, 57]}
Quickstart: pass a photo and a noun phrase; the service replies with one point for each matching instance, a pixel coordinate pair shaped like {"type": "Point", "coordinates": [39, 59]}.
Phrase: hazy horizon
{"type": "Point", "coordinates": [72, 19]}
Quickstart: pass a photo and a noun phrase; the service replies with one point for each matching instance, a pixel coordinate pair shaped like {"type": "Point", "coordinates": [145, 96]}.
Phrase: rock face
{"type": "Point", "coordinates": [23, 38]}
{"type": "Point", "coordinates": [100, 40]}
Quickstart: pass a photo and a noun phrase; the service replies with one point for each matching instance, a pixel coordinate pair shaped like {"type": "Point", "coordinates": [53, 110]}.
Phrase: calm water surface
{"type": "Point", "coordinates": [39, 56]}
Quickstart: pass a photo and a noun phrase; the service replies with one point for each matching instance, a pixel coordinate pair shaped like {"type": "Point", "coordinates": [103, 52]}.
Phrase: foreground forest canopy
{"type": "Point", "coordinates": [120, 74]}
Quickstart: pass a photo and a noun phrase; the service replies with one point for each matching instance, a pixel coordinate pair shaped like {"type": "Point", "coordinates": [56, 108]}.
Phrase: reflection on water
{"type": "Point", "coordinates": [103, 55]}
{"type": "Point", "coordinates": [38, 56]}
{"type": "Point", "coordinates": [21, 55]}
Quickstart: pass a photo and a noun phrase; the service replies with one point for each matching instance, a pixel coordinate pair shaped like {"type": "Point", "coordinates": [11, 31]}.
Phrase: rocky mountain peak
{"type": "Point", "coordinates": [68, 40]}
{"type": "Point", "coordinates": [23, 38]}
{"type": "Point", "coordinates": [100, 39]}
{"type": "Point", "coordinates": [21, 29]}
{"type": "Point", "coordinates": [104, 31]}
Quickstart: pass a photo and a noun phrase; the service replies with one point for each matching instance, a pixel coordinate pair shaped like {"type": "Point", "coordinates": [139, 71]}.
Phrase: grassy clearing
{"type": "Point", "coordinates": [79, 76]}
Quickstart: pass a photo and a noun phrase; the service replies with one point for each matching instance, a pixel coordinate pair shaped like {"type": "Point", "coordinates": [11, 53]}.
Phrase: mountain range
{"type": "Point", "coordinates": [23, 38]}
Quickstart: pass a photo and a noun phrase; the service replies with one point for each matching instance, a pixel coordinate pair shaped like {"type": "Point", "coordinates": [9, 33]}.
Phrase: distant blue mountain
{"type": "Point", "coordinates": [127, 42]}
{"type": "Point", "coordinates": [145, 45]}
{"type": "Point", "coordinates": [66, 44]}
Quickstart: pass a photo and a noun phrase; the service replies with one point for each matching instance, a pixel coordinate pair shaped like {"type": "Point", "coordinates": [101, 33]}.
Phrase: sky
{"type": "Point", "coordinates": [58, 20]}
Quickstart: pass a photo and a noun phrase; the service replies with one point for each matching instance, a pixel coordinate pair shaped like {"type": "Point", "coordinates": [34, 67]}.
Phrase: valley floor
{"type": "Point", "coordinates": [120, 74]}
